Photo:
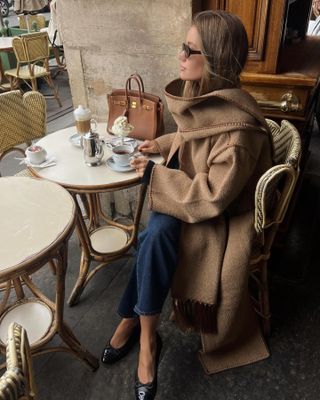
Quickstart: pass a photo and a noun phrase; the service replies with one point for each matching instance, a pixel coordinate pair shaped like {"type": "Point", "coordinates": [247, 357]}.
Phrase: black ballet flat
{"type": "Point", "coordinates": [110, 355]}
{"type": "Point", "coordinates": [148, 391]}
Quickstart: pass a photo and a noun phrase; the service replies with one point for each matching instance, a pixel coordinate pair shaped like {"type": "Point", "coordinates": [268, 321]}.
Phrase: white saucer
{"type": "Point", "coordinates": [75, 140]}
{"type": "Point", "coordinates": [48, 162]}
{"type": "Point", "coordinates": [118, 168]}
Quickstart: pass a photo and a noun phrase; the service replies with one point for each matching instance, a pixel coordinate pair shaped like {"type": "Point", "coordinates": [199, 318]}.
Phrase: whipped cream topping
{"type": "Point", "coordinates": [121, 126]}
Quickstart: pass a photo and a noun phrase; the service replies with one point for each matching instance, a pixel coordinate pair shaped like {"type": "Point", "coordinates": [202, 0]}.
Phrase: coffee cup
{"type": "Point", "coordinates": [122, 154]}
{"type": "Point", "coordinates": [83, 120]}
{"type": "Point", "coordinates": [36, 154]}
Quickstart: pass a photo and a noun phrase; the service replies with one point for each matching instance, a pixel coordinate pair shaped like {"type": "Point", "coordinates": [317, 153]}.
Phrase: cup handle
{"type": "Point", "coordinates": [94, 122]}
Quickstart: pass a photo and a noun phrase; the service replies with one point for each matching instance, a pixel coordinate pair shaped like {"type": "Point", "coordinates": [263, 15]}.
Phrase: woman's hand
{"type": "Point", "coordinates": [139, 164]}
{"type": "Point", "coordinates": [148, 146]}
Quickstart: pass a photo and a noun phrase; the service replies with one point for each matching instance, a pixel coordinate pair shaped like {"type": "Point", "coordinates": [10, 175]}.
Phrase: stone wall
{"type": "Point", "coordinates": [107, 40]}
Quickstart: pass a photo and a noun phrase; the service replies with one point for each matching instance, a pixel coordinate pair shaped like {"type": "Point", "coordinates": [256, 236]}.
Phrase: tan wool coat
{"type": "Point", "coordinates": [223, 146]}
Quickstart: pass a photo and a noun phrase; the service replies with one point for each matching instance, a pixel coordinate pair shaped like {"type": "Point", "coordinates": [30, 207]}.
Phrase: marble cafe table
{"type": "Point", "coordinates": [101, 239]}
{"type": "Point", "coordinates": [37, 218]}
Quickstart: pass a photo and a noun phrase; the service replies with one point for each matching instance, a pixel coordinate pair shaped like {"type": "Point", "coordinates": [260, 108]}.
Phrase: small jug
{"type": "Point", "coordinates": [92, 149]}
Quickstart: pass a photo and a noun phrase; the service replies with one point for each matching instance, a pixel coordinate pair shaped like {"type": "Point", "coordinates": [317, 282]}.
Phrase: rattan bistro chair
{"type": "Point", "coordinates": [272, 197]}
{"type": "Point", "coordinates": [39, 19]}
{"type": "Point", "coordinates": [23, 118]}
{"type": "Point", "coordinates": [17, 383]}
{"type": "Point", "coordinates": [32, 53]}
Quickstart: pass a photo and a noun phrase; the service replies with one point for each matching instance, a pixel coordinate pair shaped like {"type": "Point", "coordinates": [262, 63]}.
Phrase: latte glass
{"type": "Point", "coordinates": [83, 120]}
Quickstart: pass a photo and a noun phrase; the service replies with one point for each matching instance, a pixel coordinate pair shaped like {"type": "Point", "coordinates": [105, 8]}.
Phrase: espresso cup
{"type": "Point", "coordinates": [36, 154]}
{"type": "Point", "coordinates": [84, 126]}
{"type": "Point", "coordinates": [122, 154]}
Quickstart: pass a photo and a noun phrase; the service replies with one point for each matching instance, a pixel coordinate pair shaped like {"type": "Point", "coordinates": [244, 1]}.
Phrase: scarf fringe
{"type": "Point", "coordinates": [191, 314]}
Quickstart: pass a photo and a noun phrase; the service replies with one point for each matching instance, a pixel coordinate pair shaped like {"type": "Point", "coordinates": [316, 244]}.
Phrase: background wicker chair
{"type": "Point", "coordinates": [23, 118]}
{"type": "Point", "coordinates": [272, 197]}
{"type": "Point", "coordinates": [24, 20]}
{"type": "Point", "coordinates": [32, 53]}
{"type": "Point", "coordinates": [17, 382]}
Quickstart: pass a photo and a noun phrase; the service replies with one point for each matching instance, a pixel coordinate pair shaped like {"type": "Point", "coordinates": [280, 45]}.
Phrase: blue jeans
{"type": "Point", "coordinates": [155, 264]}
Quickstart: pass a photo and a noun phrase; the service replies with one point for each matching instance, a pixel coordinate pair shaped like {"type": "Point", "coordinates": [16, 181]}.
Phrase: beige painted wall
{"type": "Point", "coordinates": [107, 40]}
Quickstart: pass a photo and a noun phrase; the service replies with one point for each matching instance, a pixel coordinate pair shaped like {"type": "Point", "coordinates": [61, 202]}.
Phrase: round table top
{"type": "Point", "coordinates": [35, 214]}
{"type": "Point", "coordinates": [6, 43]}
{"type": "Point", "coordinates": [71, 171]}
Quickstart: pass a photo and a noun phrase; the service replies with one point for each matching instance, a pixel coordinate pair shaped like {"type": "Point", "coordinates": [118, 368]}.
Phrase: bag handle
{"type": "Point", "coordinates": [140, 80]}
{"type": "Point", "coordinates": [128, 88]}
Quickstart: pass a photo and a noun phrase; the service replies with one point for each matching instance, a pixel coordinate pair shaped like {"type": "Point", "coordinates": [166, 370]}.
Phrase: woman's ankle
{"type": "Point", "coordinates": [129, 322]}
{"type": "Point", "coordinates": [148, 342]}
{"type": "Point", "coordinates": [123, 332]}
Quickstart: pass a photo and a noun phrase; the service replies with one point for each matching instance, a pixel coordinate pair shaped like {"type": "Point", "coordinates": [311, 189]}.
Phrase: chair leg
{"type": "Point", "coordinates": [52, 267]}
{"type": "Point", "coordinates": [60, 61]}
{"type": "Point", "coordinates": [11, 82]}
{"type": "Point", "coordinates": [49, 81]}
{"type": "Point", "coordinates": [85, 209]}
{"type": "Point", "coordinates": [34, 85]}
{"type": "Point", "coordinates": [81, 281]}
{"type": "Point", "coordinates": [264, 299]}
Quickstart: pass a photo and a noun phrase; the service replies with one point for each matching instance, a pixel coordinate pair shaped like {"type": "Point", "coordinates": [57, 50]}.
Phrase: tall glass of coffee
{"type": "Point", "coordinates": [83, 120]}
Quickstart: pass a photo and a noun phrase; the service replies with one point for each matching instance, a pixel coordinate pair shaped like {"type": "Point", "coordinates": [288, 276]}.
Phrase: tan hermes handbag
{"type": "Point", "coordinates": [143, 110]}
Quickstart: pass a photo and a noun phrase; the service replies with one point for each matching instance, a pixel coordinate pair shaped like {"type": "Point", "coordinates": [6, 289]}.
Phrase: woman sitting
{"type": "Point", "coordinates": [199, 235]}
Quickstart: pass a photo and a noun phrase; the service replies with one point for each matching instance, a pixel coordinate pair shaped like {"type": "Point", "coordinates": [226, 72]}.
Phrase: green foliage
{"type": "Point", "coordinates": [5, 30]}
{"type": "Point", "coordinates": [34, 26]}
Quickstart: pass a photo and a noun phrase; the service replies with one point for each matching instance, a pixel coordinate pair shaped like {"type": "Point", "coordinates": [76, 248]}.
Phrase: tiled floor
{"type": "Point", "coordinates": [292, 371]}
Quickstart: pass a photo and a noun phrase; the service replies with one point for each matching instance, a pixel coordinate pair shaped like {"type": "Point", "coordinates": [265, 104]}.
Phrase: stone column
{"type": "Point", "coordinates": [107, 40]}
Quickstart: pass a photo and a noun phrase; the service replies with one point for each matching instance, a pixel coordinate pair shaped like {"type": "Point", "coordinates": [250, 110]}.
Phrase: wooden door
{"type": "Point", "coordinates": [263, 20]}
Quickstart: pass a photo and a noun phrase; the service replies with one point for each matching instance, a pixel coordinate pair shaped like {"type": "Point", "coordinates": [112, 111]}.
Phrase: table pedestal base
{"type": "Point", "coordinates": [41, 317]}
{"type": "Point", "coordinates": [104, 244]}
{"type": "Point", "coordinates": [37, 319]}
{"type": "Point", "coordinates": [105, 240]}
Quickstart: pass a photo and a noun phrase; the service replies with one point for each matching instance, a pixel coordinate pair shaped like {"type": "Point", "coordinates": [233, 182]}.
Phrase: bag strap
{"type": "Point", "coordinates": [128, 88]}
{"type": "Point", "coordinates": [127, 93]}
{"type": "Point", "coordinates": [140, 80]}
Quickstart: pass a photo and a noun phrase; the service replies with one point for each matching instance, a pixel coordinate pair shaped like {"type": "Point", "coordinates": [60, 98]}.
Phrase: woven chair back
{"type": "Point", "coordinates": [275, 187]}
{"type": "Point", "coordinates": [286, 142]}
{"type": "Point", "coordinates": [36, 46]}
{"type": "Point", "coordinates": [11, 385]}
{"type": "Point", "coordinates": [273, 193]}
{"type": "Point", "coordinates": [293, 153]}
{"type": "Point", "coordinates": [23, 118]}
{"type": "Point", "coordinates": [19, 50]}
{"type": "Point", "coordinates": [38, 18]}
{"type": "Point", "coordinates": [18, 381]}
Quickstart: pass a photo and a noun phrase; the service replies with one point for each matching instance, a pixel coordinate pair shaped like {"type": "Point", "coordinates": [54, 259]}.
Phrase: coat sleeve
{"type": "Point", "coordinates": [164, 144]}
{"type": "Point", "coordinates": [207, 194]}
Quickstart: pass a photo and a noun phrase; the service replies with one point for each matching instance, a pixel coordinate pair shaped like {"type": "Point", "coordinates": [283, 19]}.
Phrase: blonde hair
{"type": "Point", "coordinates": [224, 44]}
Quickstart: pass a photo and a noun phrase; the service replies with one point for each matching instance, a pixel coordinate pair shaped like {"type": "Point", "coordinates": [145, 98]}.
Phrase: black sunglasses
{"type": "Point", "coordinates": [188, 51]}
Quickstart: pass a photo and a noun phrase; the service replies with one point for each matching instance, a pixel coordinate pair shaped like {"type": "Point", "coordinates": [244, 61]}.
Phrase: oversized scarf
{"type": "Point", "coordinates": [223, 147]}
